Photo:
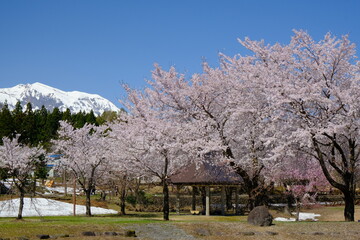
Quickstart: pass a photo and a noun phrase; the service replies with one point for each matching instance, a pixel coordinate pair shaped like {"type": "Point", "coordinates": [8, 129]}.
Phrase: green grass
{"type": "Point", "coordinates": [230, 226]}
{"type": "Point", "coordinates": [32, 226]}
{"type": "Point", "coordinates": [74, 225]}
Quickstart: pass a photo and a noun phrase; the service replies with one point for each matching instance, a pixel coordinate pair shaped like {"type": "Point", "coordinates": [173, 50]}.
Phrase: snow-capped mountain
{"type": "Point", "coordinates": [39, 94]}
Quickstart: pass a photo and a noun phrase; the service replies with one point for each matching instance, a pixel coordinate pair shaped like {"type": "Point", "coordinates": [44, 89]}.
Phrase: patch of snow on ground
{"type": "Point", "coordinates": [69, 190]}
{"type": "Point", "coordinates": [45, 207]}
{"type": "Point", "coordinates": [282, 219]}
{"type": "Point", "coordinates": [302, 217]}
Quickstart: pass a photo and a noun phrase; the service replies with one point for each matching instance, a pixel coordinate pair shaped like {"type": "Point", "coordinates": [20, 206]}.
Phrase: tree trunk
{"type": "Point", "coordinates": [297, 202]}
{"type": "Point", "coordinates": [74, 198]}
{"type": "Point", "coordinates": [348, 175]}
{"type": "Point", "coordinates": [122, 206]}
{"type": "Point", "coordinates": [21, 205]}
{"type": "Point", "coordinates": [254, 185]}
{"type": "Point", "coordinates": [251, 201]}
{"type": "Point", "coordinates": [166, 203]}
{"type": "Point", "coordinates": [258, 194]}
{"type": "Point", "coordinates": [123, 200]}
{"type": "Point", "coordinates": [137, 195]}
{"type": "Point", "coordinates": [88, 202]}
{"type": "Point", "coordinates": [349, 210]}
{"type": "Point", "coordinates": [33, 188]}
{"type": "Point", "coordinates": [123, 187]}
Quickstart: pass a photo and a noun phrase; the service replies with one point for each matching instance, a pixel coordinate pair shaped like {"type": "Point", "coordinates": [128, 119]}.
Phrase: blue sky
{"type": "Point", "coordinates": [94, 46]}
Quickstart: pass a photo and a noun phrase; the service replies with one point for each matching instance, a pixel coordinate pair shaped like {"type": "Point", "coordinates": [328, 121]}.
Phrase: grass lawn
{"type": "Point", "coordinates": [330, 226]}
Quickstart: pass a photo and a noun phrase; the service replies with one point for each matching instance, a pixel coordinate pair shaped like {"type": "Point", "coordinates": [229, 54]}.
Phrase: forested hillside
{"type": "Point", "coordinates": [40, 126]}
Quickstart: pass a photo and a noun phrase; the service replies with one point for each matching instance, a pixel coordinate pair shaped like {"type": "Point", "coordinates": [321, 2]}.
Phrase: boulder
{"type": "Point", "coordinates": [130, 233]}
{"type": "Point", "coordinates": [260, 216]}
{"type": "Point", "coordinates": [88, 234]}
{"type": "Point", "coordinates": [60, 236]}
{"type": "Point", "coordinates": [43, 236]}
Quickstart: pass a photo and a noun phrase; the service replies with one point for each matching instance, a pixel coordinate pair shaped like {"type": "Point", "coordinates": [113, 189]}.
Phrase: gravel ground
{"type": "Point", "coordinates": [160, 232]}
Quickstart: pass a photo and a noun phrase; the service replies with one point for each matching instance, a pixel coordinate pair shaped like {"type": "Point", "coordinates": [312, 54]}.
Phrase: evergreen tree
{"type": "Point", "coordinates": [6, 122]}
{"type": "Point", "coordinates": [67, 116]}
{"type": "Point", "coordinates": [18, 117]}
{"type": "Point", "coordinates": [79, 120]}
{"type": "Point", "coordinates": [52, 123]}
{"type": "Point", "coordinates": [29, 126]}
{"type": "Point", "coordinates": [90, 117]}
{"type": "Point", "coordinates": [40, 119]}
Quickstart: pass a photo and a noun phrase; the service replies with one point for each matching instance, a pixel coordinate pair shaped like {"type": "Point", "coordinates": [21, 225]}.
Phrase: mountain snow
{"type": "Point", "coordinates": [39, 94]}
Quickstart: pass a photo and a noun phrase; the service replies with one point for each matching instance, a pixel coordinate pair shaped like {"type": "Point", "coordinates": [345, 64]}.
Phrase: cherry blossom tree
{"type": "Point", "coordinates": [220, 110]}
{"type": "Point", "coordinates": [299, 97]}
{"type": "Point", "coordinates": [316, 88]}
{"type": "Point", "coordinates": [240, 112]}
{"type": "Point", "coordinates": [153, 144]}
{"type": "Point", "coordinates": [225, 111]}
{"type": "Point", "coordinates": [303, 178]}
{"type": "Point", "coordinates": [86, 153]}
{"type": "Point", "coordinates": [19, 161]}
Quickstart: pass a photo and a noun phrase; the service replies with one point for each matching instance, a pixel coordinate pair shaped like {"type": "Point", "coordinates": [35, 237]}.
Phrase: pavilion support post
{"type": "Point", "coordinates": [193, 202]}
{"type": "Point", "coordinates": [237, 191]}
{"type": "Point", "coordinates": [207, 190]}
{"type": "Point", "coordinates": [178, 187]}
{"type": "Point", "coordinates": [223, 200]}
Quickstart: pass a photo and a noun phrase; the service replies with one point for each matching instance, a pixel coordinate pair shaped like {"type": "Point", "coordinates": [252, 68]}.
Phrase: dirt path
{"type": "Point", "coordinates": [160, 232]}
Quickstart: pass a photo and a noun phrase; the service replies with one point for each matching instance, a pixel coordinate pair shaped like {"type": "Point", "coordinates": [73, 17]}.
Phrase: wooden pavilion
{"type": "Point", "coordinates": [207, 174]}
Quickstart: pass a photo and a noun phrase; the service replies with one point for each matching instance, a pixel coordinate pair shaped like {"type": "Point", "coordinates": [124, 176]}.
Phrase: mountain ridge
{"type": "Point", "coordinates": [39, 94]}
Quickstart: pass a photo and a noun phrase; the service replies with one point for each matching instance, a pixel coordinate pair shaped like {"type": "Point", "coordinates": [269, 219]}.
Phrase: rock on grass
{"type": "Point", "coordinates": [260, 216]}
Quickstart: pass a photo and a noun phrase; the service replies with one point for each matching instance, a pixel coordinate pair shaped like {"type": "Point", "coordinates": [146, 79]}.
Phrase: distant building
{"type": "Point", "coordinates": [52, 162]}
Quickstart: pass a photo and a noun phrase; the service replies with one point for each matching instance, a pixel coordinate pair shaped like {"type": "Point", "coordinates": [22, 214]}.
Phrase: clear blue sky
{"type": "Point", "coordinates": [93, 46]}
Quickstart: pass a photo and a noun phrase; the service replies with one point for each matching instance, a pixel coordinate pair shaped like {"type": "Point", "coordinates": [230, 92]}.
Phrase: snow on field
{"type": "Point", "coordinates": [45, 207]}
{"type": "Point", "coordinates": [302, 217]}
{"type": "Point", "coordinates": [69, 190]}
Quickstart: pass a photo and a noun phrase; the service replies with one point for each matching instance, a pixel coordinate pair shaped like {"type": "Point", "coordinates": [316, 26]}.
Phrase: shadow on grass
{"type": "Point", "coordinates": [141, 215]}
{"type": "Point", "coordinates": [130, 215]}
